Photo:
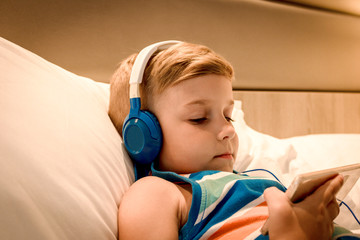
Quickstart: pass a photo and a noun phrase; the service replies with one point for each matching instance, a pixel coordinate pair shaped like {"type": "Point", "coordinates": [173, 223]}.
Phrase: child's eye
{"type": "Point", "coordinates": [198, 120]}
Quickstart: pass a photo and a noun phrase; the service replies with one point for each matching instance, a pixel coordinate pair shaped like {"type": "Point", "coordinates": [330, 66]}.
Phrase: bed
{"type": "Point", "coordinates": [64, 168]}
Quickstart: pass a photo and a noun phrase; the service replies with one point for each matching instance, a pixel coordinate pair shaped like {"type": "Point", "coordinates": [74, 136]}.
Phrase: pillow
{"type": "Point", "coordinates": [321, 151]}
{"type": "Point", "coordinates": [329, 150]}
{"type": "Point", "coordinates": [63, 168]}
{"type": "Point", "coordinates": [261, 151]}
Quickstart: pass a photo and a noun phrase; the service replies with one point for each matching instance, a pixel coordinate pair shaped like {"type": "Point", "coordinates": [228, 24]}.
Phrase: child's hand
{"type": "Point", "coordinates": [312, 218]}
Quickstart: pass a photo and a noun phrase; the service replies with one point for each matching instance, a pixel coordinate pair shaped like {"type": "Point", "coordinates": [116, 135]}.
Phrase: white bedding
{"type": "Point", "coordinates": [63, 168]}
{"type": "Point", "coordinates": [332, 150]}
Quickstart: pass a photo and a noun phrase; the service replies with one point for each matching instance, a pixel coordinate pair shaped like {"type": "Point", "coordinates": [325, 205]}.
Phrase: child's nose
{"type": "Point", "coordinates": [226, 131]}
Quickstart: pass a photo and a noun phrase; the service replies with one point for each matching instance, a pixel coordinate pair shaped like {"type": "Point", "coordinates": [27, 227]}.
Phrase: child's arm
{"type": "Point", "coordinates": [311, 218]}
{"type": "Point", "coordinates": [151, 209]}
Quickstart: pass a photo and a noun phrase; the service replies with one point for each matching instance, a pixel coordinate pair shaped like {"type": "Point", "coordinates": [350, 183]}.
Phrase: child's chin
{"type": "Point", "coordinates": [225, 166]}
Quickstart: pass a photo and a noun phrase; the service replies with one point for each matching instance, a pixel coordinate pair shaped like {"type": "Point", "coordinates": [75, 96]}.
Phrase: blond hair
{"type": "Point", "coordinates": [165, 68]}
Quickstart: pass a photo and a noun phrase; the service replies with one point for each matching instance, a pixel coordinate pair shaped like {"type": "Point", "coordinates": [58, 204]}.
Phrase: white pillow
{"type": "Point", "coordinates": [261, 151]}
{"type": "Point", "coordinates": [321, 151]}
{"type": "Point", "coordinates": [329, 150]}
{"type": "Point", "coordinates": [63, 170]}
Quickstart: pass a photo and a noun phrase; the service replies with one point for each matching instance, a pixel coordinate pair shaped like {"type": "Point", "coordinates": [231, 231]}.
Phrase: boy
{"type": "Point", "coordinates": [191, 193]}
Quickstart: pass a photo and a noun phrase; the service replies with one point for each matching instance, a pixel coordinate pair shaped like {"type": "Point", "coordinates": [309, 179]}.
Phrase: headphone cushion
{"type": "Point", "coordinates": [142, 137]}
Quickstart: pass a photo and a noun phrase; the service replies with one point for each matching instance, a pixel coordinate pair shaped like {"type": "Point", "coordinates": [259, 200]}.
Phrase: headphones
{"type": "Point", "coordinates": [141, 130]}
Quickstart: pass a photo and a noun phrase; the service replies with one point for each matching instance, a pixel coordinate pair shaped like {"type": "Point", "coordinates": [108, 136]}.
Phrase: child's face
{"type": "Point", "coordinates": [195, 117]}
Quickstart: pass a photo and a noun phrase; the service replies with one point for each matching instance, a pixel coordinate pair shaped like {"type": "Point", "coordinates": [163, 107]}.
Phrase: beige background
{"type": "Point", "coordinates": [271, 45]}
{"type": "Point", "coordinates": [286, 114]}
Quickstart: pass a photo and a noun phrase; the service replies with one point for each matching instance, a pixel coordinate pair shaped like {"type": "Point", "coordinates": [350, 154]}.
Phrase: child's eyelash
{"type": "Point", "coordinates": [229, 119]}
{"type": "Point", "coordinates": [202, 120]}
{"type": "Point", "coordinates": [198, 120]}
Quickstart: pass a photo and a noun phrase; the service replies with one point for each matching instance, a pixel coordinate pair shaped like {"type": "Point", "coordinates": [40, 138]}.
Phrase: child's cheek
{"type": "Point", "coordinates": [236, 145]}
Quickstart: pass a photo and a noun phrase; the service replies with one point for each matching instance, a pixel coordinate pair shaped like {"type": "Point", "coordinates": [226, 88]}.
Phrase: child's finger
{"type": "Point", "coordinates": [326, 193]}
{"type": "Point", "coordinates": [332, 188]}
{"type": "Point", "coordinates": [276, 200]}
{"type": "Point", "coordinates": [273, 196]}
{"type": "Point", "coordinates": [333, 209]}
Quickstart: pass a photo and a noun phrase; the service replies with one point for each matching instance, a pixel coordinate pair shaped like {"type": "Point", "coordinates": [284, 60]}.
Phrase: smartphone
{"type": "Point", "coordinates": [306, 183]}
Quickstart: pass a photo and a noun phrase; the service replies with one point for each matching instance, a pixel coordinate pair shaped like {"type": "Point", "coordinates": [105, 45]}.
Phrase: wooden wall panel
{"type": "Point", "coordinates": [287, 114]}
{"type": "Point", "coordinates": [272, 46]}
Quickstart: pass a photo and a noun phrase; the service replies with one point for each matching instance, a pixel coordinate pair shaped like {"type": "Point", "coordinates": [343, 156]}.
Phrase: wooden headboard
{"type": "Point", "coordinates": [271, 44]}
{"type": "Point", "coordinates": [289, 113]}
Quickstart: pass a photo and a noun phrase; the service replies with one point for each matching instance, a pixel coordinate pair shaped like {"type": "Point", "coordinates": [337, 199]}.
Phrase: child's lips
{"type": "Point", "coordinates": [225, 155]}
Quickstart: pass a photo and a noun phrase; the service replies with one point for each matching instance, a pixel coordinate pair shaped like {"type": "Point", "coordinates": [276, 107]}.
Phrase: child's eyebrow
{"type": "Point", "coordinates": [205, 102]}
{"type": "Point", "coordinates": [197, 102]}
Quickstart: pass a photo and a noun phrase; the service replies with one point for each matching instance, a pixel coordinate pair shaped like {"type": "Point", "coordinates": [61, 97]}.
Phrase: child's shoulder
{"type": "Point", "coordinates": [147, 198]}
{"type": "Point", "coordinates": [152, 186]}
{"type": "Point", "coordinates": [153, 192]}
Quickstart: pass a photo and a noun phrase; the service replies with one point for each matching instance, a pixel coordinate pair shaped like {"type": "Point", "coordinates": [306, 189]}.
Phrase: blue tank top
{"type": "Point", "coordinates": [228, 205]}
{"type": "Point", "coordinates": [224, 204]}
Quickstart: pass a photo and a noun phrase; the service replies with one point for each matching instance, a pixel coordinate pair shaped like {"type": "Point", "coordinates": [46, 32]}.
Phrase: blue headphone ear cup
{"type": "Point", "coordinates": [142, 137]}
{"type": "Point", "coordinates": [141, 131]}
